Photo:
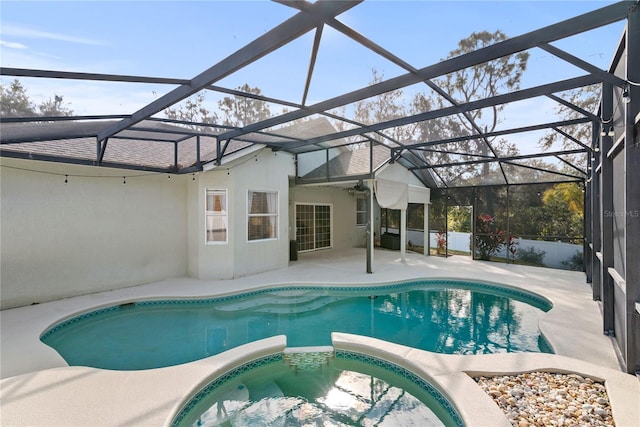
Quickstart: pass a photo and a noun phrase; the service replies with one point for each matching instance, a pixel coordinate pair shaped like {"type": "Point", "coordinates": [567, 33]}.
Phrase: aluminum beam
{"type": "Point", "coordinates": [78, 161]}
{"type": "Point", "coordinates": [632, 201]}
{"type": "Point", "coordinates": [473, 105]}
{"type": "Point", "coordinates": [279, 36]}
{"type": "Point", "coordinates": [312, 62]}
{"type": "Point", "coordinates": [605, 76]}
{"type": "Point", "coordinates": [23, 72]}
{"type": "Point", "coordinates": [574, 107]}
{"type": "Point", "coordinates": [588, 21]}
{"type": "Point", "coordinates": [495, 133]}
{"type": "Point", "coordinates": [572, 138]}
{"type": "Point", "coordinates": [606, 208]}
{"type": "Point", "coordinates": [502, 159]}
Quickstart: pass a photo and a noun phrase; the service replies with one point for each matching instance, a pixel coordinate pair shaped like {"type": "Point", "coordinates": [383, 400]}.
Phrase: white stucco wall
{"type": "Point", "coordinates": [210, 261]}
{"type": "Point", "coordinates": [91, 234]}
{"type": "Point", "coordinates": [345, 232]}
{"type": "Point", "coordinates": [262, 170]}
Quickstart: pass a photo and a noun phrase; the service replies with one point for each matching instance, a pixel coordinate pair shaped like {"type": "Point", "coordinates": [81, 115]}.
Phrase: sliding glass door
{"type": "Point", "coordinates": [313, 226]}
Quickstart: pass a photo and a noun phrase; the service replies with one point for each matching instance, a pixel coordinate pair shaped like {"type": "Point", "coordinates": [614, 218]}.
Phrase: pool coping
{"type": "Point", "coordinates": [37, 380]}
{"type": "Point", "coordinates": [453, 376]}
{"type": "Point", "coordinates": [160, 394]}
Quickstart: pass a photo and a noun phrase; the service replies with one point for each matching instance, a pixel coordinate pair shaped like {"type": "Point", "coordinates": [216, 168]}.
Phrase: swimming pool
{"type": "Point", "coordinates": [345, 388]}
{"type": "Point", "coordinates": [445, 316]}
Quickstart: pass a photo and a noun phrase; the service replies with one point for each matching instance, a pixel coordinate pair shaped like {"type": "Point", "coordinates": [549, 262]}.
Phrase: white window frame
{"type": "Point", "coordinates": [276, 215]}
{"type": "Point", "coordinates": [223, 215]}
{"type": "Point", "coordinates": [359, 212]}
{"type": "Point", "coordinates": [330, 205]}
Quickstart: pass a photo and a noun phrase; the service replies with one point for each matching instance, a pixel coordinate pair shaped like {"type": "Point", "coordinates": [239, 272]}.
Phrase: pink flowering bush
{"type": "Point", "coordinates": [441, 242]}
{"type": "Point", "coordinates": [489, 239]}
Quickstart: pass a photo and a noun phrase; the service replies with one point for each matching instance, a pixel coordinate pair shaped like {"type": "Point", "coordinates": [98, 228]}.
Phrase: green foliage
{"type": "Point", "coordinates": [235, 110]}
{"type": "Point", "coordinates": [193, 110]}
{"type": "Point", "coordinates": [15, 102]}
{"type": "Point", "coordinates": [563, 208]}
{"type": "Point", "coordinates": [54, 107]}
{"type": "Point", "coordinates": [441, 242]}
{"type": "Point", "coordinates": [531, 256]}
{"type": "Point", "coordinates": [489, 239]}
{"type": "Point", "coordinates": [240, 111]}
{"type": "Point", "coordinates": [575, 263]}
{"type": "Point", "coordinates": [415, 216]}
{"type": "Point", "coordinates": [586, 98]}
{"type": "Point", "coordinates": [459, 219]}
{"type": "Point", "coordinates": [478, 82]}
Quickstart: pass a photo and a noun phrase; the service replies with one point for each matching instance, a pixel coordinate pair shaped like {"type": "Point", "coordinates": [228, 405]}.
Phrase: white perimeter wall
{"type": "Point", "coordinates": [556, 254]}
{"type": "Point", "coordinates": [89, 235]}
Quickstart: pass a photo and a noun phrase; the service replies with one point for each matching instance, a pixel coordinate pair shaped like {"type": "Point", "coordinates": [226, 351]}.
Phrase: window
{"type": "Point", "coordinates": [216, 216]}
{"type": "Point", "coordinates": [361, 212]}
{"type": "Point", "coordinates": [313, 227]}
{"type": "Point", "coordinates": [262, 215]}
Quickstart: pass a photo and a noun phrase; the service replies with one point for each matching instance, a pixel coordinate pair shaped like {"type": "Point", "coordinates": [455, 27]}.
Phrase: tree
{"type": "Point", "coordinates": [239, 111]}
{"type": "Point", "coordinates": [384, 107]}
{"type": "Point", "coordinates": [54, 107]}
{"type": "Point", "coordinates": [459, 219]}
{"type": "Point", "coordinates": [563, 205]}
{"type": "Point", "coordinates": [192, 111]}
{"type": "Point", "coordinates": [16, 103]}
{"type": "Point", "coordinates": [586, 98]}
{"type": "Point", "coordinates": [473, 83]}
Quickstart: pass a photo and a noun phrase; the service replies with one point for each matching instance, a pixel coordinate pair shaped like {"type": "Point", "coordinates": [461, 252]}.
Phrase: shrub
{"type": "Point", "coordinates": [441, 241]}
{"type": "Point", "coordinates": [489, 240]}
{"type": "Point", "coordinates": [575, 263]}
{"type": "Point", "coordinates": [532, 256]}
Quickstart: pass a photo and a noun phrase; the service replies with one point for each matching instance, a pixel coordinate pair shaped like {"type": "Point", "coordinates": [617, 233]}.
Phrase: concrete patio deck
{"type": "Point", "coordinates": [38, 388]}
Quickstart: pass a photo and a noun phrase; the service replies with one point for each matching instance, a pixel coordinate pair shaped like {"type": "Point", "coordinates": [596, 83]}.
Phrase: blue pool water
{"type": "Point", "coordinates": [453, 317]}
{"type": "Point", "coordinates": [347, 389]}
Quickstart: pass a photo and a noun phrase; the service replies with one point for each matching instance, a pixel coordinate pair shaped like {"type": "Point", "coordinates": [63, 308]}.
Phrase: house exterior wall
{"type": "Point", "coordinates": [271, 172]}
{"type": "Point", "coordinates": [213, 260]}
{"type": "Point", "coordinates": [91, 234]}
{"type": "Point", "coordinates": [264, 171]}
{"type": "Point", "coordinates": [344, 233]}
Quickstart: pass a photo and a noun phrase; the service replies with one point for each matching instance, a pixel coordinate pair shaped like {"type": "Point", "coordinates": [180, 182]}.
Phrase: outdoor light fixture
{"type": "Point", "coordinates": [604, 133]}
{"type": "Point", "coordinates": [596, 149]}
{"type": "Point", "coordinates": [626, 98]}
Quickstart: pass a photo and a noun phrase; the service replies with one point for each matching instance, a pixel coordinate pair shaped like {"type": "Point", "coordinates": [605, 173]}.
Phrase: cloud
{"type": "Point", "coordinates": [19, 31]}
{"type": "Point", "coordinates": [12, 45]}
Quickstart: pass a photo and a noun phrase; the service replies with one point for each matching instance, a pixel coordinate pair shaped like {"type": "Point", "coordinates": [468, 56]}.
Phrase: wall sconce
{"type": "Point", "coordinates": [626, 98]}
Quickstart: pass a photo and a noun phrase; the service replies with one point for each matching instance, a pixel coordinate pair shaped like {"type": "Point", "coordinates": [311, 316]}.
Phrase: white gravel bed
{"type": "Point", "coordinates": [549, 399]}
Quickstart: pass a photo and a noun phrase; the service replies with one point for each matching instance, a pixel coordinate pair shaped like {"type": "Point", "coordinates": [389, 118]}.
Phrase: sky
{"type": "Point", "coordinates": [180, 39]}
